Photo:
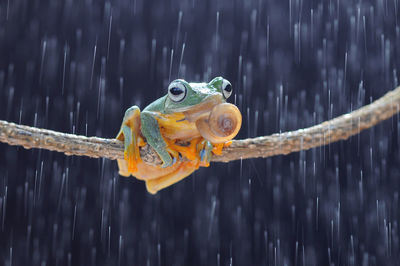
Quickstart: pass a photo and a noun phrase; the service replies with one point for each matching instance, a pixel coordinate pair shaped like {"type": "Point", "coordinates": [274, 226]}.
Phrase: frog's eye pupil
{"type": "Point", "coordinates": [226, 89]}
{"type": "Point", "coordinates": [177, 91]}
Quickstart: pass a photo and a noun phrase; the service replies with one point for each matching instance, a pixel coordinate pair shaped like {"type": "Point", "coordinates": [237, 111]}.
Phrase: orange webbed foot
{"type": "Point", "coordinates": [132, 157]}
{"type": "Point", "coordinates": [129, 134]}
{"type": "Point", "coordinates": [217, 149]}
{"type": "Point", "coordinates": [189, 151]}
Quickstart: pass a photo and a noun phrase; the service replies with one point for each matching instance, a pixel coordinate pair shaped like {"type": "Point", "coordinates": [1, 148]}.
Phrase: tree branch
{"type": "Point", "coordinates": [327, 132]}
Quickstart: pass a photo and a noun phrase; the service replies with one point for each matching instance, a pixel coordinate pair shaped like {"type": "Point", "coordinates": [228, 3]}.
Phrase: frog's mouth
{"type": "Point", "coordinates": [216, 120]}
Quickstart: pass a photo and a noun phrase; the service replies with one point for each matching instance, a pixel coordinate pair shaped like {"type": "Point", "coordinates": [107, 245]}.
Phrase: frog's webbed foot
{"type": "Point", "coordinates": [217, 150]}
{"type": "Point", "coordinates": [197, 150]}
{"type": "Point", "coordinates": [129, 134]}
{"type": "Point", "coordinates": [179, 150]}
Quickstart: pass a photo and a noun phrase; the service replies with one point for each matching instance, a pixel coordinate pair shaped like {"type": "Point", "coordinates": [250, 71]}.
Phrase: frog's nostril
{"type": "Point", "coordinates": [222, 125]}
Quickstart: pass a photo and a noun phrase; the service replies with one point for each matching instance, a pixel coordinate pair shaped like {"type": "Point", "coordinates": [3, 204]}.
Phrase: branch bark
{"type": "Point", "coordinates": [339, 128]}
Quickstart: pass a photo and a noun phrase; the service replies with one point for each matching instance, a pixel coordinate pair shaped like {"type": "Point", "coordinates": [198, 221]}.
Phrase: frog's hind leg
{"type": "Point", "coordinates": [184, 170]}
{"type": "Point", "coordinates": [129, 134]}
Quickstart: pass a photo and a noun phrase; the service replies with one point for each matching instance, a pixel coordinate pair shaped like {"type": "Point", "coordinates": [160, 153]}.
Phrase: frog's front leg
{"type": "Point", "coordinates": [129, 134]}
{"type": "Point", "coordinates": [151, 130]}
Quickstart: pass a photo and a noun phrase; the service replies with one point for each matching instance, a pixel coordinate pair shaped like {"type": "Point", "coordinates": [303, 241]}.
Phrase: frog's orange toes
{"type": "Point", "coordinates": [190, 151]}
{"type": "Point", "coordinates": [217, 149]}
{"type": "Point", "coordinates": [130, 157]}
{"type": "Point", "coordinates": [186, 151]}
{"type": "Point", "coordinates": [129, 133]}
{"type": "Point", "coordinates": [228, 143]}
{"type": "Point", "coordinates": [128, 165]}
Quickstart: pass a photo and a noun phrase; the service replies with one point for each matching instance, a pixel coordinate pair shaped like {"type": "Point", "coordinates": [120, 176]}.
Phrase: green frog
{"type": "Point", "coordinates": [185, 127]}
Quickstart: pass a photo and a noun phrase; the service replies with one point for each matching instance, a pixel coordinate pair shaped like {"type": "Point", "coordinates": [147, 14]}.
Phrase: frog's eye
{"type": "Point", "coordinates": [226, 88]}
{"type": "Point", "coordinates": [176, 91]}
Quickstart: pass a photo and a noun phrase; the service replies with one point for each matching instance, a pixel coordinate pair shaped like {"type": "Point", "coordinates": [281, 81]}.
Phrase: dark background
{"type": "Point", "coordinates": [76, 65]}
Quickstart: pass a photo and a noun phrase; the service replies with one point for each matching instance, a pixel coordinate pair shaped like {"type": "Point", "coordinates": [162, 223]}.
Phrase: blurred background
{"type": "Point", "coordinates": [76, 66]}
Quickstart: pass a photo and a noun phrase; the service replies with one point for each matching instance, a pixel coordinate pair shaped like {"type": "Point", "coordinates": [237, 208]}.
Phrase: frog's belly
{"type": "Point", "coordinates": [174, 126]}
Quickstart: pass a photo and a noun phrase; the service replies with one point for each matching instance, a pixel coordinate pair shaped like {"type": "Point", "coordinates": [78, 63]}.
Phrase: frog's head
{"type": "Point", "coordinates": [205, 104]}
{"type": "Point", "coordinates": [184, 96]}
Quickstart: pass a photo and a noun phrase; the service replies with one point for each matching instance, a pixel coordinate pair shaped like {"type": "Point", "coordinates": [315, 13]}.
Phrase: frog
{"type": "Point", "coordinates": [172, 126]}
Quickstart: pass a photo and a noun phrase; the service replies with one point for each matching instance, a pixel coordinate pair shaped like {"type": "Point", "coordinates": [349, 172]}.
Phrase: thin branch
{"type": "Point", "coordinates": [327, 132]}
